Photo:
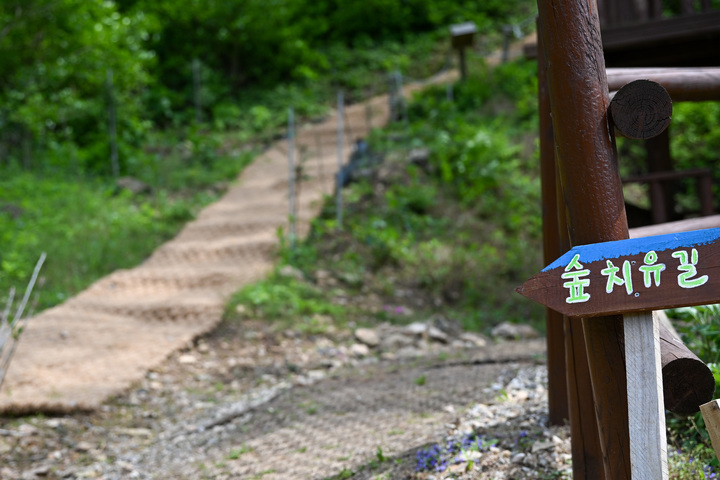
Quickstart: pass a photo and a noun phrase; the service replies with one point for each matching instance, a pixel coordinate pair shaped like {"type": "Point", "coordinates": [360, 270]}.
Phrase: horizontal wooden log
{"type": "Point", "coordinates": [688, 225]}
{"type": "Point", "coordinates": [690, 84]}
{"type": "Point", "coordinates": [687, 381]}
{"type": "Point", "coordinates": [641, 109]}
{"type": "Point", "coordinates": [656, 32]}
{"type": "Point", "coordinates": [670, 175]}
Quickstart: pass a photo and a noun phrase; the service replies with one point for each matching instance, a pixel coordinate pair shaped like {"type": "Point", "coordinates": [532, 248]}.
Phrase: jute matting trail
{"type": "Point", "coordinates": [76, 355]}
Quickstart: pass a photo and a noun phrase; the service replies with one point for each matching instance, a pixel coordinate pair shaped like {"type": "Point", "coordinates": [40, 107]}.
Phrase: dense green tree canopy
{"type": "Point", "coordinates": [56, 58]}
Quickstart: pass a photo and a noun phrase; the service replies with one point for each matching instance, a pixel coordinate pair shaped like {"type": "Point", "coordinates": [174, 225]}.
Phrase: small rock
{"type": "Point", "coordinates": [27, 430]}
{"type": "Point", "coordinates": [41, 471]}
{"type": "Point", "coordinates": [518, 458]}
{"type": "Point", "coordinates": [241, 309]}
{"type": "Point", "coordinates": [396, 341]}
{"type": "Point", "coordinates": [288, 271]}
{"type": "Point", "coordinates": [514, 331]}
{"type": "Point", "coordinates": [54, 423]}
{"type": "Point", "coordinates": [367, 336]}
{"type": "Point", "coordinates": [474, 338]}
{"type": "Point", "coordinates": [539, 446]}
{"type": "Point", "coordinates": [133, 185]}
{"type": "Point", "coordinates": [359, 350]}
{"type": "Point", "coordinates": [187, 359]}
{"type": "Point", "coordinates": [437, 335]}
{"type": "Point", "coordinates": [324, 279]}
{"type": "Point", "coordinates": [4, 448]}
{"type": "Point", "coordinates": [449, 326]}
{"type": "Point", "coordinates": [416, 328]}
{"type": "Point", "coordinates": [135, 432]}
{"type": "Point", "coordinates": [83, 447]}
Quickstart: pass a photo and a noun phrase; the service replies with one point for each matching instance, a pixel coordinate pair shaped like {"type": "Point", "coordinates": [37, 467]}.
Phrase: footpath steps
{"type": "Point", "coordinates": [74, 356]}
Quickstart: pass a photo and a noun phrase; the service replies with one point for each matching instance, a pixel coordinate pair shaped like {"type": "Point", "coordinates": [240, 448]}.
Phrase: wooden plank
{"type": "Point", "coordinates": [651, 273]}
{"type": "Point", "coordinates": [659, 31]}
{"type": "Point", "coordinates": [646, 417]}
{"type": "Point", "coordinates": [668, 175]}
{"type": "Point", "coordinates": [692, 84]}
{"type": "Point", "coordinates": [680, 226]}
{"type": "Point", "coordinates": [711, 415]}
{"type": "Point", "coordinates": [675, 42]}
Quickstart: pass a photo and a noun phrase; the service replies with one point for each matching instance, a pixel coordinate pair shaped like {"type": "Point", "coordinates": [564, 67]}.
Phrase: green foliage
{"type": "Point", "coordinates": [54, 63]}
{"type": "Point", "coordinates": [460, 241]}
{"type": "Point", "coordinates": [699, 328]}
{"type": "Point", "coordinates": [87, 229]}
{"type": "Point", "coordinates": [695, 142]}
{"type": "Point", "coordinates": [250, 66]}
{"type": "Point", "coordinates": [286, 299]}
{"type": "Point", "coordinates": [90, 228]}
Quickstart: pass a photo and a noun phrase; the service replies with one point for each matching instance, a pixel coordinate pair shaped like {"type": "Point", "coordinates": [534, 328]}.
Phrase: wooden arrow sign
{"type": "Point", "coordinates": [651, 273]}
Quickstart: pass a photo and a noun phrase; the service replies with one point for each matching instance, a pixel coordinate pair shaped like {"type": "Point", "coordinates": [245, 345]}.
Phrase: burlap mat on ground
{"type": "Point", "coordinates": [75, 355]}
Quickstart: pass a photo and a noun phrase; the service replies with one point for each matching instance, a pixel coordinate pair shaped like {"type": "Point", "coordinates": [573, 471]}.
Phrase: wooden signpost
{"type": "Point", "coordinates": [635, 275]}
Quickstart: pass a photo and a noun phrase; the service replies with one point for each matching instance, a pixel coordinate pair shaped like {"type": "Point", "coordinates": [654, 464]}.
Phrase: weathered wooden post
{"type": "Point", "coordinates": [340, 142]}
{"type": "Point", "coordinates": [557, 380]}
{"type": "Point", "coordinates": [595, 210]}
{"type": "Point", "coordinates": [569, 388]}
{"type": "Point", "coordinates": [291, 173]}
{"type": "Point", "coordinates": [196, 90]}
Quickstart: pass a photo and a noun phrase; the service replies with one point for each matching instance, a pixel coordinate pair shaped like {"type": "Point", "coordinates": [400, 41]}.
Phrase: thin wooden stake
{"type": "Point", "coordinates": [340, 140]}
{"type": "Point", "coordinates": [711, 415]}
{"type": "Point", "coordinates": [291, 173]}
{"type": "Point", "coordinates": [196, 90]}
{"type": "Point", "coordinates": [112, 125]}
{"type": "Point", "coordinates": [646, 414]}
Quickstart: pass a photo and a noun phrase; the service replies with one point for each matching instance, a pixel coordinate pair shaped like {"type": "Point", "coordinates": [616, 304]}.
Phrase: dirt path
{"type": "Point", "coordinates": [246, 402]}
{"type": "Point", "coordinates": [74, 356]}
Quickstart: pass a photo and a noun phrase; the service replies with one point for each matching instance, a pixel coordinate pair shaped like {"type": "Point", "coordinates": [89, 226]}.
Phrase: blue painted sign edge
{"type": "Point", "coordinates": [622, 248]}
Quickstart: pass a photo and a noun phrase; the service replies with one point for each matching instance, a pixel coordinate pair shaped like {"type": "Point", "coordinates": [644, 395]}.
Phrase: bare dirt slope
{"type": "Point", "coordinates": [74, 356]}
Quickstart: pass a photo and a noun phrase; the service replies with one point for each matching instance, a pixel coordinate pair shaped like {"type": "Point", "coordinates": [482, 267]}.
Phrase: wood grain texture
{"type": "Point", "coordinates": [646, 417]}
{"type": "Point", "coordinates": [651, 273]}
{"type": "Point", "coordinates": [593, 199]}
{"type": "Point", "coordinates": [557, 381]}
{"type": "Point", "coordinates": [711, 415]}
{"type": "Point", "coordinates": [695, 84]}
{"type": "Point", "coordinates": [641, 109]}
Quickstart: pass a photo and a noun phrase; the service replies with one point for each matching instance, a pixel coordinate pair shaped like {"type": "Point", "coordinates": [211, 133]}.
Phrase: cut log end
{"type": "Point", "coordinates": [687, 384]}
{"type": "Point", "coordinates": [641, 109]}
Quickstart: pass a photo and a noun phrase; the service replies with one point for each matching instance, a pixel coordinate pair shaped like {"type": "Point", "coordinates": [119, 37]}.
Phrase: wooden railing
{"type": "Point", "coordinates": [615, 13]}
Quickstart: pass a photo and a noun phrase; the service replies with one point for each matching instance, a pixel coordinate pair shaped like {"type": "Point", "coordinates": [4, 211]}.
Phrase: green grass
{"type": "Point", "coordinates": [89, 228]}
